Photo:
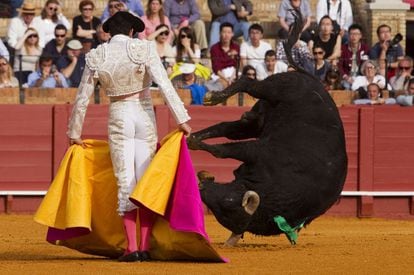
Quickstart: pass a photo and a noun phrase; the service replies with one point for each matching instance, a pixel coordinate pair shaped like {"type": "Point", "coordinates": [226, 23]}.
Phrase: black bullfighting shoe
{"type": "Point", "coordinates": [144, 256]}
{"type": "Point", "coordinates": [131, 257]}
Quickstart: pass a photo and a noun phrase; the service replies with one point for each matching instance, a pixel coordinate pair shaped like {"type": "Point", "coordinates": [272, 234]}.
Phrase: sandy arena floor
{"type": "Point", "coordinates": [327, 246]}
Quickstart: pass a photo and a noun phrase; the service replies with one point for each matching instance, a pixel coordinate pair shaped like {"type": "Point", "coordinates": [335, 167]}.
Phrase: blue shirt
{"type": "Point", "coordinates": [134, 6]}
{"type": "Point", "coordinates": [229, 17]}
{"type": "Point", "coordinates": [49, 82]}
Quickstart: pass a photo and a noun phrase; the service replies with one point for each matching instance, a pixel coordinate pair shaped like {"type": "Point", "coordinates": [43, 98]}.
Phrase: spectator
{"type": "Point", "coordinates": [252, 52]}
{"type": "Point", "coordinates": [72, 65]}
{"type": "Point", "coordinates": [47, 21]}
{"type": "Point", "coordinates": [399, 82]}
{"type": "Point", "coordinates": [341, 13]}
{"type": "Point", "coordinates": [154, 16]}
{"type": "Point", "coordinates": [328, 40]}
{"type": "Point", "coordinates": [133, 6]}
{"type": "Point", "coordinates": [408, 98]}
{"type": "Point", "coordinates": [189, 80]}
{"type": "Point", "coordinates": [332, 80]}
{"type": "Point", "coordinates": [102, 36]}
{"type": "Point", "coordinates": [384, 54]}
{"type": "Point", "coordinates": [164, 49]}
{"type": "Point", "coordinates": [374, 96]}
{"type": "Point", "coordinates": [3, 51]}
{"type": "Point", "coordinates": [370, 71]}
{"type": "Point", "coordinates": [234, 12]}
{"type": "Point", "coordinates": [7, 79]}
{"type": "Point", "coordinates": [321, 65]}
{"type": "Point", "coordinates": [353, 54]}
{"type": "Point", "coordinates": [47, 76]}
{"type": "Point", "coordinates": [270, 66]}
{"type": "Point", "coordinates": [300, 54]}
{"type": "Point", "coordinates": [84, 25]}
{"type": "Point", "coordinates": [250, 72]}
{"type": "Point", "coordinates": [185, 13]}
{"type": "Point", "coordinates": [19, 25]}
{"type": "Point", "coordinates": [28, 51]}
{"type": "Point", "coordinates": [57, 46]}
{"type": "Point", "coordinates": [286, 18]}
{"type": "Point", "coordinates": [224, 55]}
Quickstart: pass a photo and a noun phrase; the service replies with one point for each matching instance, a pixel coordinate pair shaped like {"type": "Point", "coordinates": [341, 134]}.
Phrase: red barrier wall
{"type": "Point", "coordinates": [380, 146]}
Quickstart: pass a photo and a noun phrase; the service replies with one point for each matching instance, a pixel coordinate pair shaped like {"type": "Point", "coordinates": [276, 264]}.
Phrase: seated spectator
{"type": "Point", "coordinates": [189, 80]}
{"type": "Point", "coordinates": [154, 16]}
{"type": "Point", "coordinates": [84, 25]}
{"type": "Point", "coordinates": [332, 80]}
{"type": "Point", "coordinates": [164, 49]}
{"type": "Point", "coordinates": [186, 50]}
{"type": "Point", "coordinates": [72, 65]}
{"type": "Point", "coordinates": [102, 36]}
{"type": "Point", "coordinates": [353, 54]}
{"type": "Point", "coordinates": [286, 18]}
{"type": "Point", "coordinates": [399, 82]}
{"type": "Point", "coordinates": [250, 72]}
{"type": "Point", "coordinates": [370, 74]}
{"type": "Point", "coordinates": [47, 76]}
{"type": "Point", "coordinates": [50, 17]}
{"type": "Point", "coordinates": [341, 13]}
{"type": "Point", "coordinates": [185, 13]}
{"type": "Point", "coordinates": [28, 51]}
{"type": "Point", "coordinates": [134, 7]}
{"type": "Point", "coordinates": [407, 99]}
{"type": "Point", "coordinates": [224, 55]}
{"type": "Point", "coordinates": [19, 25]}
{"type": "Point", "coordinates": [300, 54]}
{"type": "Point", "coordinates": [270, 66]}
{"type": "Point", "coordinates": [328, 40]}
{"type": "Point", "coordinates": [252, 52]}
{"type": "Point", "coordinates": [321, 66]}
{"type": "Point", "coordinates": [236, 13]}
{"type": "Point", "coordinates": [57, 46]}
{"type": "Point", "coordinates": [3, 51]}
{"type": "Point", "coordinates": [386, 56]}
{"type": "Point", "coordinates": [7, 79]}
{"type": "Point", "coordinates": [374, 96]}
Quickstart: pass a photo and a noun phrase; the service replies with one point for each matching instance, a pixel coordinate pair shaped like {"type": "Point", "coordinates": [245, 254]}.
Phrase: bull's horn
{"type": "Point", "coordinates": [250, 202]}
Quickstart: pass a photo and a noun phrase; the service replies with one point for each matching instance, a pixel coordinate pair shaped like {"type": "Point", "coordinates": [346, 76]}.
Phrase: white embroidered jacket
{"type": "Point", "coordinates": [123, 66]}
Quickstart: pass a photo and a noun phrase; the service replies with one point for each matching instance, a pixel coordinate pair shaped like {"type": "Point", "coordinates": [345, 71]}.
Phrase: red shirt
{"type": "Point", "coordinates": [220, 58]}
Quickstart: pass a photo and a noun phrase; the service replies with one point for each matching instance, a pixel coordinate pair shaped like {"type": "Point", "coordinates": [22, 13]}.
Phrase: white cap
{"type": "Point", "coordinates": [187, 68]}
{"type": "Point", "coordinates": [74, 45]}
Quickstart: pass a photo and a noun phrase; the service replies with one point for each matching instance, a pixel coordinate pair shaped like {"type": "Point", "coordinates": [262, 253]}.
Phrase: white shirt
{"type": "Point", "coordinates": [16, 30]}
{"type": "Point", "coordinates": [46, 27]}
{"type": "Point", "coordinates": [362, 81]}
{"type": "Point", "coordinates": [343, 17]}
{"type": "Point", "coordinates": [262, 72]}
{"type": "Point", "coordinates": [254, 55]}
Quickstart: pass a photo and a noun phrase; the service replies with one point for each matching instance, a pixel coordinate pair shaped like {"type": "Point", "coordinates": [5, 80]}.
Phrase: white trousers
{"type": "Point", "coordinates": [132, 142]}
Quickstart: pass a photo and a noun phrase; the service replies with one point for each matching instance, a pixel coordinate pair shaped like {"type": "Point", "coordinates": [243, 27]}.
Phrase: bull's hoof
{"type": "Point", "coordinates": [205, 176]}
{"type": "Point", "coordinates": [193, 143]}
{"type": "Point", "coordinates": [232, 241]}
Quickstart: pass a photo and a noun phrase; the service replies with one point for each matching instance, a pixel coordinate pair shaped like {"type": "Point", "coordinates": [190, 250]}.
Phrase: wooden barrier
{"type": "Point", "coordinates": [9, 96]}
{"type": "Point", "coordinates": [50, 96]}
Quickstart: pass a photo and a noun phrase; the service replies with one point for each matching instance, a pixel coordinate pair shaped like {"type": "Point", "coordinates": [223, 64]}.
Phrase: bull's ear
{"type": "Point", "coordinates": [250, 202]}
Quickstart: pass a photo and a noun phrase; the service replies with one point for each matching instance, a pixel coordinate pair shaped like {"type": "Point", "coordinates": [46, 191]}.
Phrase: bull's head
{"type": "Point", "coordinates": [232, 204]}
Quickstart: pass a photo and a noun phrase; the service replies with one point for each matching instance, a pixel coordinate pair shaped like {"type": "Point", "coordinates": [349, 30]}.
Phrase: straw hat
{"type": "Point", "coordinates": [29, 8]}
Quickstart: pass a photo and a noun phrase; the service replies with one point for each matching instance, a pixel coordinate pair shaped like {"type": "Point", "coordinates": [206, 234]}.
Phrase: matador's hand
{"type": "Point", "coordinates": [184, 127]}
{"type": "Point", "coordinates": [77, 141]}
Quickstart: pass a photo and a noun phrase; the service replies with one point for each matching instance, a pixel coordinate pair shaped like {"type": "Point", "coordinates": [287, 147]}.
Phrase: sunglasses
{"type": "Point", "coordinates": [32, 35]}
{"type": "Point", "coordinates": [113, 6]}
{"type": "Point", "coordinates": [184, 36]}
{"type": "Point", "coordinates": [165, 33]}
{"type": "Point", "coordinates": [404, 68]}
{"type": "Point", "coordinates": [52, 9]}
{"type": "Point", "coordinates": [60, 35]}
{"type": "Point", "coordinates": [315, 53]}
{"type": "Point", "coordinates": [87, 9]}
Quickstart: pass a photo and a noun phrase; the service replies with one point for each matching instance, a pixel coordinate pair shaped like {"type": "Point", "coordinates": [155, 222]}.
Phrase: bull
{"type": "Point", "coordinates": [292, 148]}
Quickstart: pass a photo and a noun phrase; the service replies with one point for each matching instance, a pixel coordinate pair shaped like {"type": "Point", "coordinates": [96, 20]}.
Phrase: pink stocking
{"type": "Point", "coordinates": [146, 220]}
{"type": "Point", "coordinates": [130, 225]}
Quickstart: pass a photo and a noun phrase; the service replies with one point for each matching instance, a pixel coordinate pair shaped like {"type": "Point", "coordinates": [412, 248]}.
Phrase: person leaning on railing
{"type": "Point", "coordinates": [7, 79]}
{"type": "Point", "coordinates": [408, 98]}
{"type": "Point", "coordinates": [47, 76]}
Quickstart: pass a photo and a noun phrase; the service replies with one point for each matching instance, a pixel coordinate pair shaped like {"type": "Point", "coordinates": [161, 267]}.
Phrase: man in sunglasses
{"type": "Point", "coordinates": [57, 46]}
{"type": "Point", "coordinates": [132, 6]}
{"type": "Point", "coordinates": [399, 82]}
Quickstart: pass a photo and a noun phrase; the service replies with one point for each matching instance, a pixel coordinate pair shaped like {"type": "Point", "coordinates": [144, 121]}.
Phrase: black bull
{"type": "Point", "coordinates": [294, 159]}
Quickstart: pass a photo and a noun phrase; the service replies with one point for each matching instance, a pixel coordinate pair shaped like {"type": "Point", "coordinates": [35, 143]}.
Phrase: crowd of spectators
{"type": "Point", "coordinates": [48, 51]}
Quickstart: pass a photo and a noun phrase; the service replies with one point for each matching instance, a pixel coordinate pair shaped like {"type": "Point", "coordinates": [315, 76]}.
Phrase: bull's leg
{"type": "Point", "coordinates": [233, 239]}
{"type": "Point", "coordinates": [243, 151]}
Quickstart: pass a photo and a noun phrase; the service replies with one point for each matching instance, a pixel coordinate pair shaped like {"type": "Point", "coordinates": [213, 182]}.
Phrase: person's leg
{"type": "Point", "coordinates": [214, 33]}
{"type": "Point", "coordinates": [245, 29]}
{"type": "Point", "coordinates": [200, 33]}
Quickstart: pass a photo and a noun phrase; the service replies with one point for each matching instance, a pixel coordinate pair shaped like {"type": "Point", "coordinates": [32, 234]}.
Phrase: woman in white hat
{"type": "Point", "coordinates": [125, 68]}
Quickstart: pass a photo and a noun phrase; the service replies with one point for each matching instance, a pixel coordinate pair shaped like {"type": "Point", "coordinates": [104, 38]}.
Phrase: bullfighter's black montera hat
{"type": "Point", "coordinates": [122, 17]}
